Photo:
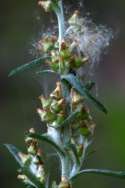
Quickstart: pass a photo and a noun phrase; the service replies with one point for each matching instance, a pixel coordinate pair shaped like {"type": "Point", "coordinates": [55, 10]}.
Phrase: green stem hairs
{"type": "Point", "coordinates": [70, 126]}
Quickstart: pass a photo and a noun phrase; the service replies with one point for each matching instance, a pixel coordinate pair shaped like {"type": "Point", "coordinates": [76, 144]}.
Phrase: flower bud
{"type": "Point", "coordinates": [57, 106]}
{"type": "Point", "coordinates": [30, 140]}
{"type": "Point", "coordinates": [63, 45]}
{"type": "Point", "coordinates": [87, 127]}
{"type": "Point", "coordinates": [45, 102]}
{"type": "Point", "coordinates": [35, 160]}
{"type": "Point", "coordinates": [32, 149]}
{"type": "Point", "coordinates": [23, 178]}
{"type": "Point", "coordinates": [47, 46]}
{"type": "Point", "coordinates": [48, 43]}
{"type": "Point", "coordinates": [32, 130]}
{"type": "Point", "coordinates": [60, 119]}
{"type": "Point", "coordinates": [64, 183]}
{"type": "Point", "coordinates": [40, 173]}
{"type": "Point", "coordinates": [38, 158]}
{"type": "Point", "coordinates": [39, 152]}
{"type": "Point", "coordinates": [23, 157]}
{"type": "Point", "coordinates": [46, 116]}
{"type": "Point", "coordinates": [54, 66]}
{"type": "Point", "coordinates": [65, 54]}
{"type": "Point", "coordinates": [55, 56]}
{"type": "Point", "coordinates": [76, 98]}
{"type": "Point", "coordinates": [47, 5]}
{"type": "Point", "coordinates": [73, 19]}
{"type": "Point", "coordinates": [57, 93]}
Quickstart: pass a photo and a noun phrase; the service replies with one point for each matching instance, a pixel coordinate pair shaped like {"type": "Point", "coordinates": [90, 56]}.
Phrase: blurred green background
{"type": "Point", "coordinates": [21, 23]}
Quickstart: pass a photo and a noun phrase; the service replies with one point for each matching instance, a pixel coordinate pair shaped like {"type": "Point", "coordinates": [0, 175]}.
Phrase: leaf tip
{"type": "Point", "coordinates": [105, 110]}
{"type": "Point", "coordinates": [11, 73]}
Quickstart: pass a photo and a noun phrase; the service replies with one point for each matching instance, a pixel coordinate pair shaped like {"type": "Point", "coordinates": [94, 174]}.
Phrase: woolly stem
{"type": "Point", "coordinates": [60, 18]}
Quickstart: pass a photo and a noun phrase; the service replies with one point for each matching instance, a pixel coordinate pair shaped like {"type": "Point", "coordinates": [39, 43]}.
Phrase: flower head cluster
{"type": "Point", "coordinates": [54, 112]}
{"type": "Point", "coordinates": [63, 60]}
{"type": "Point", "coordinates": [89, 39]}
{"type": "Point", "coordinates": [32, 161]}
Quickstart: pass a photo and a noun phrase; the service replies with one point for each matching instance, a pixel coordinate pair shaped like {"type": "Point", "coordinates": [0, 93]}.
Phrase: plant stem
{"type": "Point", "coordinates": [65, 163]}
{"type": "Point", "coordinates": [60, 18]}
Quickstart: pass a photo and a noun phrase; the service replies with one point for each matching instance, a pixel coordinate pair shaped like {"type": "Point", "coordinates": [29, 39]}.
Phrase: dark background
{"type": "Point", "coordinates": [21, 23]}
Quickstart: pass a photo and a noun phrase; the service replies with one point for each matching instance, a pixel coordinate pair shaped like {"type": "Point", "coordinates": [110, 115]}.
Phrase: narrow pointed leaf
{"type": "Point", "coordinates": [46, 71]}
{"type": "Point", "coordinates": [76, 84]}
{"type": "Point", "coordinates": [28, 66]}
{"type": "Point", "coordinates": [47, 139]}
{"type": "Point", "coordinates": [98, 103]}
{"type": "Point", "coordinates": [15, 153]}
{"type": "Point", "coordinates": [118, 174]}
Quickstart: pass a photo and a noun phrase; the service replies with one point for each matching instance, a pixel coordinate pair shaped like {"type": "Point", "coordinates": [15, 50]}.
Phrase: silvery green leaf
{"type": "Point", "coordinates": [118, 174]}
{"type": "Point", "coordinates": [15, 153]}
{"type": "Point", "coordinates": [28, 66]}
{"type": "Point", "coordinates": [76, 84]}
